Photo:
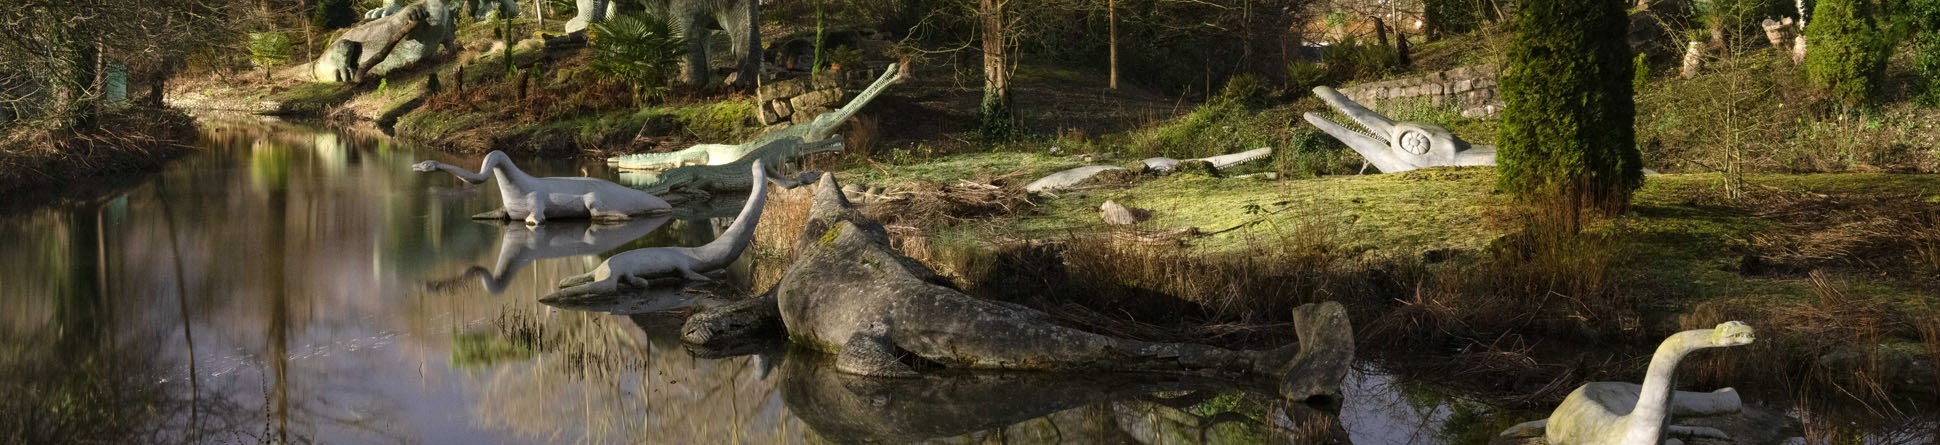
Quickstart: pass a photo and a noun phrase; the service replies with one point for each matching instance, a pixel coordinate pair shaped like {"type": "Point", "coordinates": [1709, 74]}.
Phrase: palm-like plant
{"type": "Point", "coordinates": [643, 51]}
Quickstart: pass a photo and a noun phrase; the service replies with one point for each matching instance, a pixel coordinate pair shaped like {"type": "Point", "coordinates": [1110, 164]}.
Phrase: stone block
{"type": "Point", "coordinates": [803, 115]}
{"type": "Point", "coordinates": [1464, 85]}
{"type": "Point", "coordinates": [770, 114]}
{"type": "Point", "coordinates": [826, 80]}
{"type": "Point", "coordinates": [816, 99]}
{"type": "Point", "coordinates": [782, 89]}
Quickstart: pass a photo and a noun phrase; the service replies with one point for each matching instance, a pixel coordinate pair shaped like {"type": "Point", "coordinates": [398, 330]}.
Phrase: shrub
{"type": "Point", "coordinates": [1303, 76]}
{"type": "Point", "coordinates": [1566, 133]}
{"type": "Point", "coordinates": [1350, 60]}
{"type": "Point", "coordinates": [1848, 57]}
{"type": "Point", "coordinates": [1924, 16]}
{"type": "Point", "coordinates": [643, 51]}
{"type": "Point", "coordinates": [333, 14]}
{"type": "Point", "coordinates": [269, 49]}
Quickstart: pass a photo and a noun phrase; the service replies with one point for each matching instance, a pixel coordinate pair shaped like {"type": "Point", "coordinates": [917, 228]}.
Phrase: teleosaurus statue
{"type": "Point", "coordinates": [1618, 413]}
{"type": "Point", "coordinates": [637, 268]}
{"type": "Point", "coordinates": [1397, 146]}
{"type": "Point", "coordinates": [536, 199]}
{"type": "Point", "coordinates": [808, 136]}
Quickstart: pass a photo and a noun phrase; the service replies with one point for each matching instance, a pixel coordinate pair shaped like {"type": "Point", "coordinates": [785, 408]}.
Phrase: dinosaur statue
{"type": "Point", "coordinates": [818, 130]}
{"type": "Point", "coordinates": [1160, 165]}
{"type": "Point", "coordinates": [884, 314]}
{"type": "Point", "coordinates": [740, 19]}
{"type": "Point", "coordinates": [409, 35]}
{"type": "Point", "coordinates": [537, 199]}
{"type": "Point", "coordinates": [520, 245]}
{"type": "Point", "coordinates": [1617, 413]}
{"type": "Point", "coordinates": [638, 267]}
{"type": "Point", "coordinates": [481, 9]}
{"type": "Point", "coordinates": [686, 183]}
{"type": "Point", "coordinates": [1397, 146]}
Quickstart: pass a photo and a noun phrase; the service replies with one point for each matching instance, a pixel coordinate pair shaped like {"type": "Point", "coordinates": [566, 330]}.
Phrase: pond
{"type": "Point", "coordinates": [287, 284]}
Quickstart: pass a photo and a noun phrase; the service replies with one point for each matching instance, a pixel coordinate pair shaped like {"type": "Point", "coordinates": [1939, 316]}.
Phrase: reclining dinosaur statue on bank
{"type": "Point", "coordinates": [409, 35]}
{"type": "Point", "coordinates": [1397, 146]}
{"type": "Point", "coordinates": [1618, 413]}
{"type": "Point", "coordinates": [520, 245]}
{"type": "Point", "coordinates": [638, 268]}
{"type": "Point", "coordinates": [535, 200]}
{"type": "Point", "coordinates": [808, 134]}
{"type": "Point", "coordinates": [1161, 165]}
{"type": "Point", "coordinates": [883, 314]}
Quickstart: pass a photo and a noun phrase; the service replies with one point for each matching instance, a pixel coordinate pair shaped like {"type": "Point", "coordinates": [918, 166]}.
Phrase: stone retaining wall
{"type": "Point", "coordinates": [798, 100]}
{"type": "Point", "coordinates": [1469, 89]}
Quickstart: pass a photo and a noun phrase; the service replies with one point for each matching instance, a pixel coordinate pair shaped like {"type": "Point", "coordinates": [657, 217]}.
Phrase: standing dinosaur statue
{"type": "Point", "coordinates": [806, 136]}
{"type": "Point", "coordinates": [1397, 146]}
{"type": "Point", "coordinates": [481, 9]}
{"type": "Point", "coordinates": [1617, 413]}
{"type": "Point", "coordinates": [740, 19]}
{"type": "Point", "coordinates": [536, 199]}
{"type": "Point", "coordinates": [637, 268]}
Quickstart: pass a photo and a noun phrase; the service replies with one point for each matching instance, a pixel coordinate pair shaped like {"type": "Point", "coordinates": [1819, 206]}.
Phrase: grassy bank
{"type": "Point", "coordinates": [1838, 271]}
{"type": "Point", "coordinates": [39, 165]}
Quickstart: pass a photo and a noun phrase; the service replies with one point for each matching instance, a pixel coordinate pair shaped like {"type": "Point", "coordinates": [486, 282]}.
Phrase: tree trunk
{"type": "Point", "coordinates": [1111, 15]}
{"type": "Point", "coordinates": [996, 66]}
{"type": "Point", "coordinates": [1380, 31]}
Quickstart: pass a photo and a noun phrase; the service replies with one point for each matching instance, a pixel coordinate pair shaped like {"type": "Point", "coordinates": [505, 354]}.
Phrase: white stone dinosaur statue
{"type": "Point", "coordinates": [637, 268]}
{"type": "Point", "coordinates": [1397, 146]}
{"type": "Point", "coordinates": [536, 199]}
{"type": "Point", "coordinates": [1161, 165]}
{"type": "Point", "coordinates": [480, 8]}
{"type": "Point", "coordinates": [1617, 413]}
{"type": "Point", "coordinates": [823, 127]}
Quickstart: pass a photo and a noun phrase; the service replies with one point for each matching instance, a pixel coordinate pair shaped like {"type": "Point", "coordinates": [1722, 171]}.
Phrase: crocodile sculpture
{"type": "Point", "coordinates": [536, 199]}
{"type": "Point", "coordinates": [1397, 146]}
{"type": "Point", "coordinates": [695, 182]}
{"type": "Point", "coordinates": [1619, 413]}
{"type": "Point", "coordinates": [883, 314]}
{"type": "Point", "coordinates": [404, 37]}
{"type": "Point", "coordinates": [520, 245]}
{"type": "Point", "coordinates": [808, 135]}
{"type": "Point", "coordinates": [637, 268]}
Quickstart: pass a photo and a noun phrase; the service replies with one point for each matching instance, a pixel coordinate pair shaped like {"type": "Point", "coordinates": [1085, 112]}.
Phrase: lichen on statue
{"type": "Point", "coordinates": [535, 199]}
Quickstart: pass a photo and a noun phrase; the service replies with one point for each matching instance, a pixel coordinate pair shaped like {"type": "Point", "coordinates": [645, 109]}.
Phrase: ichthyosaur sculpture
{"type": "Point", "coordinates": [534, 199]}
{"type": "Point", "coordinates": [637, 268]}
{"type": "Point", "coordinates": [1393, 146]}
{"type": "Point", "coordinates": [784, 144]}
{"type": "Point", "coordinates": [1618, 413]}
{"type": "Point", "coordinates": [883, 314]}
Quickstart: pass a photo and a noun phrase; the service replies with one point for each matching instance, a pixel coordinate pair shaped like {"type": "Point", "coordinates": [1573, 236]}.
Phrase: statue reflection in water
{"type": "Point", "coordinates": [520, 245]}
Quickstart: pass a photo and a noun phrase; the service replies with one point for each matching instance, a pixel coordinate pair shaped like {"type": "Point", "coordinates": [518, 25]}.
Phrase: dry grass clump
{"type": "Point", "coordinates": [1828, 348]}
{"type": "Point", "coordinates": [131, 139]}
{"type": "Point", "coordinates": [924, 204]}
{"type": "Point", "coordinates": [1869, 233]}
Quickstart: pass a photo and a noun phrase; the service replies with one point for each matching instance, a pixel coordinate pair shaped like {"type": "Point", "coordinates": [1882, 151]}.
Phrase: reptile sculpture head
{"type": "Point", "coordinates": [1397, 146]}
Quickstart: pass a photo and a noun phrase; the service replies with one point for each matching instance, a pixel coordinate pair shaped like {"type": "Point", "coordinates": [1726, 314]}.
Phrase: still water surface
{"type": "Point", "coordinates": [288, 284]}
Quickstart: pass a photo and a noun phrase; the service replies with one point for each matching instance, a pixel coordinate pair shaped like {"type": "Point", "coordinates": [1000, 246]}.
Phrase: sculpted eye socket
{"type": "Point", "coordinates": [1414, 142]}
